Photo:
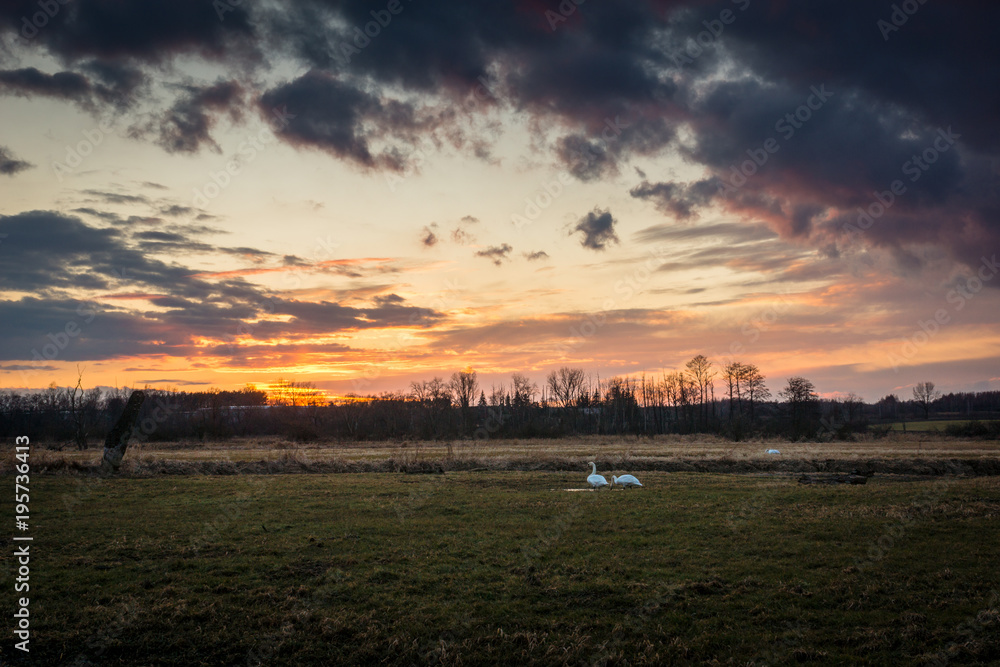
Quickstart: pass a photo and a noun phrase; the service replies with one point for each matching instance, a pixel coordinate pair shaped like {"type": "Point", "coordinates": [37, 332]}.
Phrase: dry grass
{"type": "Point", "coordinates": [910, 453]}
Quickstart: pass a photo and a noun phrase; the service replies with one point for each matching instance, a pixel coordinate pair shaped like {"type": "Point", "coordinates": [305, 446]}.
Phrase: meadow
{"type": "Point", "coordinates": [563, 453]}
{"type": "Point", "coordinates": [933, 425]}
{"type": "Point", "coordinates": [507, 566]}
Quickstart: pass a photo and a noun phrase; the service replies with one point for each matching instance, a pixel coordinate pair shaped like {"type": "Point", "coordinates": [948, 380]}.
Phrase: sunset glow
{"type": "Point", "coordinates": [221, 201]}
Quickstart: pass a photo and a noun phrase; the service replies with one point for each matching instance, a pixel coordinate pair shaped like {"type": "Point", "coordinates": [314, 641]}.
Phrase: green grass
{"type": "Point", "coordinates": [507, 568]}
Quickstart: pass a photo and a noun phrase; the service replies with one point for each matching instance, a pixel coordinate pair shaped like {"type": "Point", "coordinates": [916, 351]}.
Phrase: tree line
{"type": "Point", "coordinates": [731, 399]}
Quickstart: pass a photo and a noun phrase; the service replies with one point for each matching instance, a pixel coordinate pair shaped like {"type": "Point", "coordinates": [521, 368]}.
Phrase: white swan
{"type": "Point", "coordinates": [626, 481]}
{"type": "Point", "coordinates": [596, 481]}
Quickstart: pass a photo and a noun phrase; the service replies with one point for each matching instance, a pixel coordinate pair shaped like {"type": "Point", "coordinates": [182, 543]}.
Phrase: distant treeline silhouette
{"type": "Point", "coordinates": [732, 400]}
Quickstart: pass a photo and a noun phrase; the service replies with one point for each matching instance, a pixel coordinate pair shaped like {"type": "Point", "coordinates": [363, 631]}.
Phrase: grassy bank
{"type": "Point", "coordinates": [507, 567]}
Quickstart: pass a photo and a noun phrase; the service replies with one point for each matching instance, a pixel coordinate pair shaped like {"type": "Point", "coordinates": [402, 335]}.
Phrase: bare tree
{"type": "Point", "coordinates": [745, 386]}
{"type": "Point", "coordinates": [430, 391]}
{"type": "Point", "coordinates": [803, 402]}
{"type": "Point", "coordinates": [464, 387]}
{"type": "Point", "coordinates": [732, 375]}
{"type": "Point", "coordinates": [566, 385]}
{"type": "Point", "coordinates": [290, 392]}
{"type": "Point", "coordinates": [756, 390]}
{"type": "Point", "coordinates": [524, 390]}
{"type": "Point", "coordinates": [701, 373]}
{"type": "Point", "coordinates": [854, 407]}
{"type": "Point", "coordinates": [924, 394]}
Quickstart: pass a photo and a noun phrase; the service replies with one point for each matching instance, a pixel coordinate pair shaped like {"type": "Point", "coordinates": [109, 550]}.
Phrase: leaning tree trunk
{"type": "Point", "coordinates": [117, 440]}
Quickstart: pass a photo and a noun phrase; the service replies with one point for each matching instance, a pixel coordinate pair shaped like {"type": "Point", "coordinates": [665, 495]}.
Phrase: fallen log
{"type": "Point", "coordinates": [117, 441]}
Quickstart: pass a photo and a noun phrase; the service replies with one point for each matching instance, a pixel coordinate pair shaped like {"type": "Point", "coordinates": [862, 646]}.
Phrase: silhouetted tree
{"type": "Point", "coordinates": [924, 394]}
{"type": "Point", "coordinates": [463, 387]}
{"type": "Point", "coordinates": [756, 390]}
{"type": "Point", "coordinates": [701, 373]}
{"type": "Point", "coordinates": [566, 385]}
{"type": "Point", "coordinates": [803, 404]}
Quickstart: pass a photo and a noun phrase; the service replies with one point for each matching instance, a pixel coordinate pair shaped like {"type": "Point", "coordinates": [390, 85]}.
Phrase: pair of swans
{"type": "Point", "coordinates": [597, 481]}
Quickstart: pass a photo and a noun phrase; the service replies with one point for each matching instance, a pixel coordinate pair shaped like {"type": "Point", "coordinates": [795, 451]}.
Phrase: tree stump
{"type": "Point", "coordinates": [117, 441]}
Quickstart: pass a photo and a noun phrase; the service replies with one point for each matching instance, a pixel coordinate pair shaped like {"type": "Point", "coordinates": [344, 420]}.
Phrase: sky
{"type": "Point", "coordinates": [199, 193]}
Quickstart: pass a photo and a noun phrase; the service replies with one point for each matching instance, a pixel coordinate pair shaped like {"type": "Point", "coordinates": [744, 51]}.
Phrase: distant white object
{"type": "Point", "coordinates": [773, 451]}
{"type": "Point", "coordinates": [626, 481]}
{"type": "Point", "coordinates": [596, 481]}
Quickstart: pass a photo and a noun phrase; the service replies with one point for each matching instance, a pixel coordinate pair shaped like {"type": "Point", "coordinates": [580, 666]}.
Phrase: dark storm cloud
{"type": "Point", "coordinates": [151, 31]}
{"type": "Point", "coordinates": [30, 82]}
{"type": "Point", "coordinates": [116, 76]}
{"type": "Point", "coordinates": [186, 126]}
{"type": "Point", "coordinates": [586, 159]}
{"type": "Point", "coordinates": [895, 93]}
{"type": "Point", "coordinates": [10, 165]}
{"type": "Point", "coordinates": [35, 327]}
{"type": "Point", "coordinates": [619, 79]}
{"type": "Point", "coordinates": [115, 84]}
{"type": "Point", "coordinates": [52, 256]}
{"type": "Point", "coordinates": [939, 66]}
{"type": "Point", "coordinates": [496, 253]}
{"type": "Point", "coordinates": [344, 120]}
{"type": "Point", "coordinates": [46, 251]}
{"type": "Point", "coordinates": [107, 83]}
{"type": "Point", "coordinates": [598, 79]}
{"type": "Point", "coordinates": [680, 200]}
{"type": "Point", "coordinates": [586, 78]}
{"type": "Point", "coordinates": [598, 229]}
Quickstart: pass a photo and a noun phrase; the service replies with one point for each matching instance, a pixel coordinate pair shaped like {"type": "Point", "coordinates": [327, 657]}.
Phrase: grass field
{"type": "Point", "coordinates": [509, 568]}
{"type": "Point", "coordinates": [935, 425]}
{"type": "Point", "coordinates": [659, 448]}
